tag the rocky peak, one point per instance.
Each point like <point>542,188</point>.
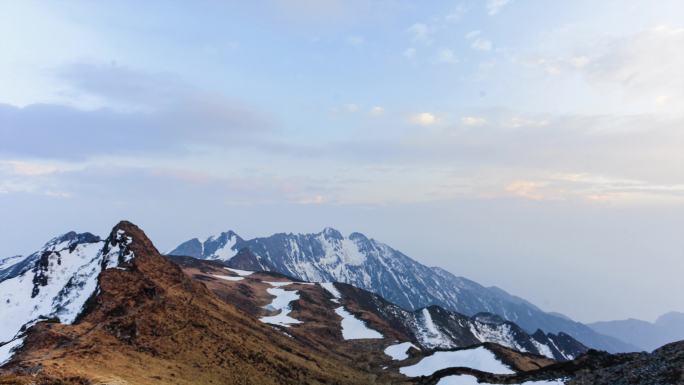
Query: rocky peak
<point>331,233</point>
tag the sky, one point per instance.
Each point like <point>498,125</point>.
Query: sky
<point>536,146</point>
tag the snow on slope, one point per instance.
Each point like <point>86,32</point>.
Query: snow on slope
<point>241,273</point>
<point>479,358</point>
<point>57,287</point>
<point>56,281</point>
<point>470,380</point>
<point>330,287</point>
<point>281,303</point>
<point>353,328</point>
<point>398,352</point>
<point>228,277</point>
<point>6,350</point>
<point>428,333</point>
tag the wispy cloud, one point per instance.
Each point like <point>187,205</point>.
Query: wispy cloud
<point>495,6</point>
<point>166,118</point>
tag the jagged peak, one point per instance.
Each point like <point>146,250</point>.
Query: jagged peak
<point>127,237</point>
<point>358,236</point>
<point>70,238</point>
<point>224,235</point>
<point>330,232</point>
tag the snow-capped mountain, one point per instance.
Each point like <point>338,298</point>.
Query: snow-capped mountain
<point>436,328</point>
<point>56,281</point>
<point>329,256</point>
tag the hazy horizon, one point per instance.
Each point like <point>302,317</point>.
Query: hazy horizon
<point>538,149</point>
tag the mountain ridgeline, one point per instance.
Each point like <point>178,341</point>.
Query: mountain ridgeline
<point>329,256</point>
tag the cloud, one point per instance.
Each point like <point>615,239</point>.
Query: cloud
<point>446,55</point>
<point>376,111</point>
<point>171,118</point>
<point>595,188</point>
<point>495,6</point>
<point>26,168</point>
<point>646,64</point>
<point>421,33</point>
<point>526,189</point>
<point>482,44</point>
<point>478,42</point>
<point>456,14</point>
<point>423,119</point>
<point>473,121</point>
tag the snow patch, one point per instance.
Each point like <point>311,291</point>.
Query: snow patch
<point>428,334</point>
<point>7,350</point>
<point>543,349</point>
<point>70,278</point>
<point>226,251</point>
<point>281,303</point>
<point>228,277</point>
<point>277,284</point>
<point>330,287</point>
<point>241,273</point>
<point>470,380</point>
<point>353,328</point>
<point>398,352</point>
<point>479,358</point>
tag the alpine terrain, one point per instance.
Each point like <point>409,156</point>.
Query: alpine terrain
<point>113,310</point>
<point>329,256</point>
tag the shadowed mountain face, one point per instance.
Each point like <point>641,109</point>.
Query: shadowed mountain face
<point>329,256</point>
<point>645,335</point>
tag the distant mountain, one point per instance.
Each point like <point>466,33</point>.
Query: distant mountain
<point>646,335</point>
<point>329,256</point>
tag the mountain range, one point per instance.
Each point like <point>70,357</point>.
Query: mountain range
<point>328,256</point>
<point>90,310</point>
<point>668,327</point>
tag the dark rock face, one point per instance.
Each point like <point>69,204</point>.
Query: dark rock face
<point>328,256</point>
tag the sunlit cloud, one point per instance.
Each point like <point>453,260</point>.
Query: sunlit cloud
<point>376,111</point>
<point>473,121</point>
<point>423,119</point>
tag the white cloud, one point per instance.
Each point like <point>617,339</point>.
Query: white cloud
<point>494,6</point>
<point>580,61</point>
<point>482,44</point>
<point>478,42</point>
<point>518,122</point>
<point>473,121</point>
<point>645,65</point>
<point>423,119</point>
<point>421,33</point>
<point>456,14</point>
<point>526,189</point>
<point>446,55</point>
<point>472,34</point>
<point>377,111</point>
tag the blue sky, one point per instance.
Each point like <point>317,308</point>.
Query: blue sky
<point>532,145</point>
